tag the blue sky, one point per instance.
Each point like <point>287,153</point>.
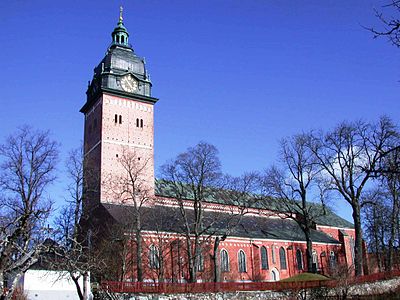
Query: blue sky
<point>237,74</point>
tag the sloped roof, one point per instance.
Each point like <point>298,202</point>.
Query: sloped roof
<point>168,219</point>
<point>329,218</point>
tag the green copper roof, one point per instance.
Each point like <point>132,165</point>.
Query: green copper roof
<point>329,218</point>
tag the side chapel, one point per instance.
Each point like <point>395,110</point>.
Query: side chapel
<point>119,118</point>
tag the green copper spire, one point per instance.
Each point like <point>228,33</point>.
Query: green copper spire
<point>120,35</point>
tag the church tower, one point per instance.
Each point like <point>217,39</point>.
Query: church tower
<point>118,117</point>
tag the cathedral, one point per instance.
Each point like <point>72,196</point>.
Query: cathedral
<point>120,186</point>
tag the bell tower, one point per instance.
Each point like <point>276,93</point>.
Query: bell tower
<point>119,113</point>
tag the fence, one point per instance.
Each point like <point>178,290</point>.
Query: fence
<point>172,288</point>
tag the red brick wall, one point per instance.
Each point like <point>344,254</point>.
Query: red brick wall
<point>175,261</point>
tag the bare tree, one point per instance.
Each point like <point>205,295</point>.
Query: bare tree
<point>391,184</point>
<point>72,253</point>
<point>193,177</point>
<point>391,25</point>
<point>382,212</point>
<point>29,159</point>
<point>348,155</point>
<point>376,217</point>
<point>131,188</point>
<point>293,184</point>
<point>239,194</point>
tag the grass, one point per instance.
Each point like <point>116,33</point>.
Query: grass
<point>305,277</point>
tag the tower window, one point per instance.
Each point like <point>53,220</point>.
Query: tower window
<point>116,118</point>
<point>117,38</point>
<point>141,123</point>
<point>122,39</point>
<point>120,119</point>
<point>137,122</point>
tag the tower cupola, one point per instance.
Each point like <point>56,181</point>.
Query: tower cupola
<point>120,35</point>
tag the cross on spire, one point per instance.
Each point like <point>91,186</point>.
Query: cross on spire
<point>121,9</point>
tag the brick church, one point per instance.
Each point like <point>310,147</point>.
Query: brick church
<point>119,139</point>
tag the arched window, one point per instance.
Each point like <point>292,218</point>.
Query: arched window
<point>116,118</point>
<point>117,38</point>
<point>282,258</point>
<point>264,258</point>
<point>315,260</point>
<point>332,260</point>
<point>141,123</point>
<point>137,122</point>
<point>122,39</point>
<point>274,274</point>
<point>242,261</point>
<point>224,261</point>
<point>120,119</point>
<point>299,259</point>
<point>154,257</point>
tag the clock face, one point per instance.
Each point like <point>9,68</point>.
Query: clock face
<point>129,84</point>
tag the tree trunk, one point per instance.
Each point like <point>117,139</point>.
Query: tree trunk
<point>193,260</point>
<point>216,262</point>
<point>308,250</point>
<point>358,259</point>
<point>192,275</point>
<point>78,287</point>
<point>393,225</point>
<point>85,287</point>
<point>139,270</point>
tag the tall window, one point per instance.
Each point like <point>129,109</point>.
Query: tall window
<point>315,260</point>
<point>120,119</point>
<point>332,260</point>
<point>352,245</point>
<point>299,259</point>
<point>264,258</point>
<point>137,122</point>
<point>242,261</point>
<point>200,263</point>
<point>115,118</point>
<point>273,254</point>
<point>224,261</point>
<point>282,258</point>
<point>141,123</point>
<point>154,257</point>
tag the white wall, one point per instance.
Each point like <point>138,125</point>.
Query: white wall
<point>50,285</point>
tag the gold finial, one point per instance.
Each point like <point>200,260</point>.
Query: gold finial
<point>121,9</point>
